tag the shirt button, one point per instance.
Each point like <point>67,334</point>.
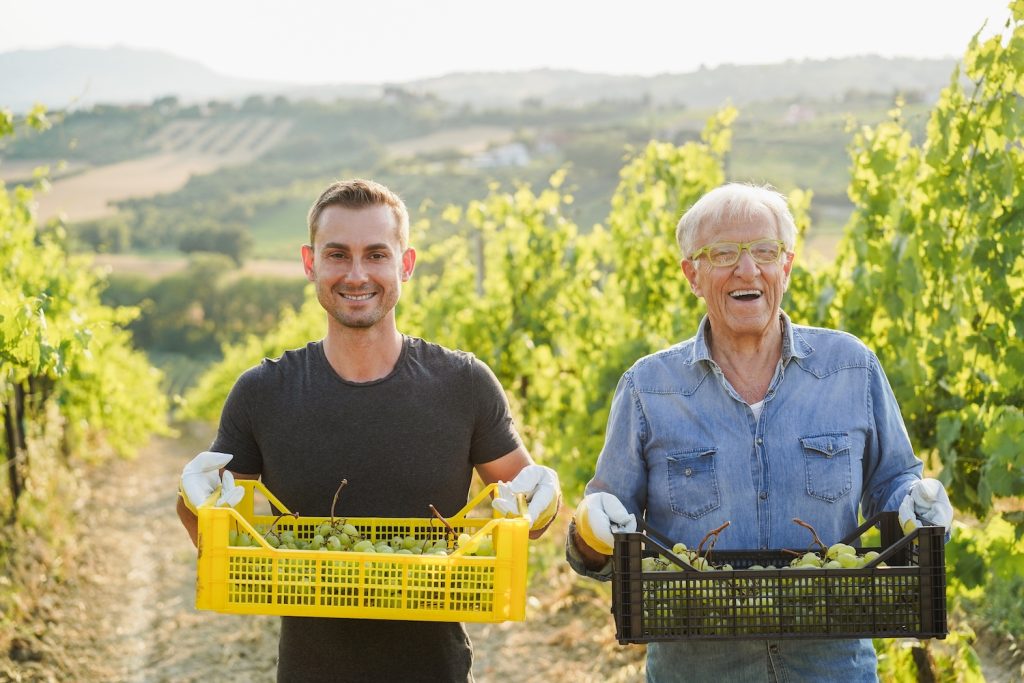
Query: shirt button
<point>764,495</point>
<point>760,441</point>
<point>688,472</point>
<point>774,649</point>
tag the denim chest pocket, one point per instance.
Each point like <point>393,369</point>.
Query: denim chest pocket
<point>693,483</point>
<point>827,465</point>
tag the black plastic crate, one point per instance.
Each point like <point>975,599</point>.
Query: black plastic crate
<point>906,598</point>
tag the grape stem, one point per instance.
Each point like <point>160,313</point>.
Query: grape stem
<point>278,519</point>
<point>443,520</point>
<point>343,484</point>
<point>824,548</point>
<point>713,535</point>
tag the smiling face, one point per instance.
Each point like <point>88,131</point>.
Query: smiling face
<point>358,265</point>
<point>744,299</point>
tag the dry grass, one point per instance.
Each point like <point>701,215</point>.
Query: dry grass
<point>23,170</point>
<point>468,140</point>
<point>155,268</point>
<point>180,150</point>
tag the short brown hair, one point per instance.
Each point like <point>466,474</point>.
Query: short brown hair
<point>357,193</point>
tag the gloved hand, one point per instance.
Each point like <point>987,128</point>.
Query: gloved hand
<point>926,505</point>
<point>543,494</point>
<point>199,480</point>
<point>598,516</point>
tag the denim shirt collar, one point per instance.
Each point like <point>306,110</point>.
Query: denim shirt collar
<point>794,345</point>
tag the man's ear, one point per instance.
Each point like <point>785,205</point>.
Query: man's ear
<point>307,262</point>
<point>787,268</point>
<point>690,271</point>
<point>408,263</point>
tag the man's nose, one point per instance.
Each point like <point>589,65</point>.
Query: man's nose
<point>356,272</point>
<point>746,266</point>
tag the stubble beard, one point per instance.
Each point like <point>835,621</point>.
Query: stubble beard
<point>359,321</point>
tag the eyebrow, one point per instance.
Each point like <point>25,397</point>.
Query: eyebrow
<point>370,247</point>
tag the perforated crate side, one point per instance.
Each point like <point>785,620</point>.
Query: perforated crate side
<point>265,580</point>
<point>895,601</point>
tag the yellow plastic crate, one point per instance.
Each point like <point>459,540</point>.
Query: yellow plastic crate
<point>363,585</point>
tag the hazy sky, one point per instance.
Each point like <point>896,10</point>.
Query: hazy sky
<point>315,41</point>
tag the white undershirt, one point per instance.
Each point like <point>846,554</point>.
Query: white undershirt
<point>757,407</point>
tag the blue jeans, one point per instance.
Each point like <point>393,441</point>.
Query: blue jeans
<point>756,661</point>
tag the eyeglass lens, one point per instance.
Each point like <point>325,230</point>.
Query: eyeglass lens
<point>728,253</point>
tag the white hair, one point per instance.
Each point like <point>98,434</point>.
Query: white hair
<point>735,201</point>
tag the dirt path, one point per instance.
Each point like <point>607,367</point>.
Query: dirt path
<point>127,611</point>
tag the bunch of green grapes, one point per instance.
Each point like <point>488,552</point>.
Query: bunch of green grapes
<point>338,536</point>
<point>837,556</point>
<point>759,605</point>
<point>692,557</point>
<point>481,547</point>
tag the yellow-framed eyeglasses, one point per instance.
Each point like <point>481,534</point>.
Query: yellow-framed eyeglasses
<point>724,254</point>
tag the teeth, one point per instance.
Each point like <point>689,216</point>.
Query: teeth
<point>745,292</point>
<point>358,297</point>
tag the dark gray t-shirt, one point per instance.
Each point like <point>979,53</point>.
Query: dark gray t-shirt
<point>403,442</point>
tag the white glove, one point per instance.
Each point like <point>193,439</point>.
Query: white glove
<point>199,480</point>
<point>543,494</point>
<point>926,505</point>
<point>598,516</point>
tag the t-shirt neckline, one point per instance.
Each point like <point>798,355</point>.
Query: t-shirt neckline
<point>349,383</point>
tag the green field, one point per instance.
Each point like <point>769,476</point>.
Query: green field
<point>279,231</point>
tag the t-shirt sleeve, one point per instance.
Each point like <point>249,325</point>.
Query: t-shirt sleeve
<point>494,433</point>
<point>236,433</point>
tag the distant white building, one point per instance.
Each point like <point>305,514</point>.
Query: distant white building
<point>799,113</point>
<point>512,154</point>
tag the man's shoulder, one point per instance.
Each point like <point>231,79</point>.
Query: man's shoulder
<point>831,339</point>
<point>438,355</point>
<point>288,362</point>
<point>673,363</point>
<point>829,349</point>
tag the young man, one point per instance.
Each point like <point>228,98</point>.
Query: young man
<point>403,420</point>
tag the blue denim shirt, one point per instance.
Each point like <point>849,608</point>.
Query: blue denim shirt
<point>684,452</point>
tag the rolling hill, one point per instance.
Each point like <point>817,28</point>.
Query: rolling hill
<point>74,77</point>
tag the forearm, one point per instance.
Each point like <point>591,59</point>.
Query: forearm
<point>189,521</point>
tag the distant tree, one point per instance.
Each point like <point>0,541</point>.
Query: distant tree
<point>125,289</point>
<point>214,107</point>
<point>174,310</point>
<point>166,105</point>
<point>254,103</point>
<point>196,310</point>
<point>232,240</point>
<point>105,235</point>
<point>251,305</point>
